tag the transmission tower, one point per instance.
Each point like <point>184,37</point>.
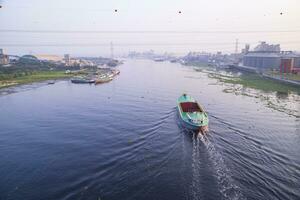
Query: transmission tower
<point>236,51</point>
<point>111,50</point>
<point>236,46</point>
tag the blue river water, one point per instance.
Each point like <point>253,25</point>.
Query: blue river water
<point>123,140</point>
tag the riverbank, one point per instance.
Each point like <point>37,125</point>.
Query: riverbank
<point>246,79</point>
<point>254,81</point>
<point>285,78</point>
<point>35,76</point>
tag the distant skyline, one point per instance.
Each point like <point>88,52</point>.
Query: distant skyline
<point>86,28</point>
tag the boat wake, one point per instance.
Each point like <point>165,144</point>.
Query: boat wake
<point>227,187</point>
<point>196,190</point>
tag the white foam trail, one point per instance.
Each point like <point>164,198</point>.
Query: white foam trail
<point>195,189</point>
<point>228,189</point>
<point>183,162</point>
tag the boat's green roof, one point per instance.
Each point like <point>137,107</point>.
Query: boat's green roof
<point>185,98</point>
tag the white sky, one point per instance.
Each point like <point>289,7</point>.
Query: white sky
<point>203,25</point>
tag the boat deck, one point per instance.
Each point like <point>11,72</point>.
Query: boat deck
<point>190,107</point>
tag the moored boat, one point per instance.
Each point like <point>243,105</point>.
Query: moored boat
<point>103,79</point>
<point>192,114</point>
<point>51,82</point>
<point>110,75</point>
<point>82,80</point>
<point>159,59</point>
<point>116,72</point>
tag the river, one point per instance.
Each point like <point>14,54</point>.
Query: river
<point>123,140</point>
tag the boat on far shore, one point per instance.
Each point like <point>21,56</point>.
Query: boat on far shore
<point>51,82</point>
<point>103,79</point>
<point>82,80</point>
<point>116,72</point>
<point>159,60</point>
<point>102,75</point>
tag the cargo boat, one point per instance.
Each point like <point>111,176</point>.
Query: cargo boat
<point>192,114</point>
<point>82,80</point>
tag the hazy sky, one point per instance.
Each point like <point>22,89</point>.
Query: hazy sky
<point>87,27</point>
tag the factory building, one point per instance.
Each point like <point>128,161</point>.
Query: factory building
<point>4,59</point>
<point>197,57</point>
<point>266,57</point>
<point>286,62</point>
<point>67,59</point>
<point>29,59</point>
<point>262,60</point>
<point>290,63</point>
<point>263,46</point>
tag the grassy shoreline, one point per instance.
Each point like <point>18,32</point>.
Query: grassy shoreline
<point>273,94</point>
<point>255,81</point>
<point>246,79</point>
<point>36,76</point>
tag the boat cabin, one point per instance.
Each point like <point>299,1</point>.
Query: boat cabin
<point>190,107</point>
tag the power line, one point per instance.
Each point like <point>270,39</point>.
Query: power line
<point>129,44</point>
<point>119,44</point>
<point>145,31</point>
<point>236,46</point>
<point>111,50</point>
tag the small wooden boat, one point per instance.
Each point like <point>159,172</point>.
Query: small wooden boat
<point>113,63</point>
<point>51,82</point>
<point>103,80</point>
<point>82,80</point>
<point>192,114</point>
<point>159,60</point>
<point>110,75</point>
<point>116,72</point>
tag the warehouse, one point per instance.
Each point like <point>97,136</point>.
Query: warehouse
<point>262,60</point>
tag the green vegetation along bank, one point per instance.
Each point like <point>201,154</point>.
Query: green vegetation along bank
<point>245,79</point>
<point>25,77</point>
<point>255,81</point>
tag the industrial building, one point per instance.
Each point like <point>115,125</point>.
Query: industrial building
<point>4,59</point>
<point>49,58</point>
<point>290,63</point>
<point>67,59</point>
<point>284,61</point>
<point>29,59</point>
<point>263,46</point>
<point>197,57</point>
<point>262,60</point>
<point>266,56</point>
